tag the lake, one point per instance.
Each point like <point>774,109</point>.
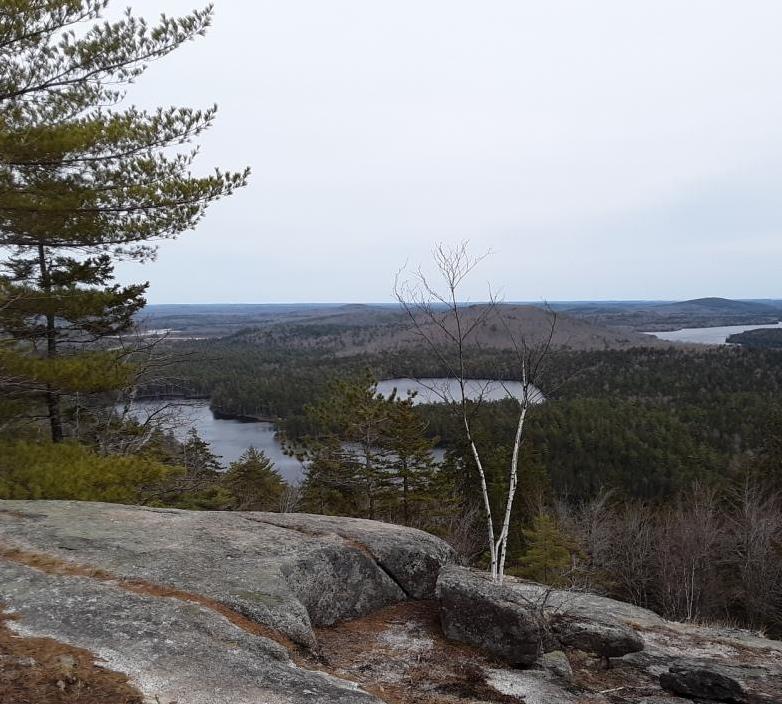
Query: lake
<point>707,336</point>
<point>229,439</point>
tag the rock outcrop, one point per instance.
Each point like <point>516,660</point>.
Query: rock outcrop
<point>170,649</point>
<point>258,608</point>
<point>289,578</point>
<point>529,625</point>
<point>474,610</point>
<point>158,592</point>
<point>411,558</point>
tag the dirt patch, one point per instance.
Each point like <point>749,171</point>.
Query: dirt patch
<point>38,670</point>
<point>400,655</point>
<point>620,682</point>
<point>53,565</point>
<point>469,682</point>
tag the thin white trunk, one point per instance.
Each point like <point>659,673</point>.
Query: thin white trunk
<point>487,507</point>
<point>502,543</point>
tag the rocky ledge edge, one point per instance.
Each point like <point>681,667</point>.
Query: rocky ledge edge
<point>207,607</point>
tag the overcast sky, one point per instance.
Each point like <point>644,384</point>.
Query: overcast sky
<point>601,150</point>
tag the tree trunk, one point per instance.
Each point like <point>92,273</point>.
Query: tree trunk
<point>405,512</point>
<point>486,504</point>
<point>52,396</point>
<point>502,543</point>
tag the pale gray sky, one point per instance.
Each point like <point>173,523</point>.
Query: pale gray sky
<point>604,149</point>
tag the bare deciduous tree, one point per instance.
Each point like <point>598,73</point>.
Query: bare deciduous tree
<point>754,547</point>
<point>290,498</point>
<point>710,555</point>
<point>451,330</point>
<point>464,532</point>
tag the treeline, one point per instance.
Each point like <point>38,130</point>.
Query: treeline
<point>246,380</point>
<point>667,374</point>
<point>644,422</point>
<point>642,450</point>
<point>242,376</point>
<point>764,338</point>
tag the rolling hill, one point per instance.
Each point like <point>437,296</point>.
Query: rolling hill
<point>357,330</point>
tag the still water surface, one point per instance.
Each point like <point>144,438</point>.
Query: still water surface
<point>707,336</point>
<point>229,439</point>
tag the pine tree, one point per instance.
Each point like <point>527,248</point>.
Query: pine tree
<point>411,463</point>
<point>548,553</point>
<point>84,183</point>
<point>197,485</point>
<point>33,470</point>
<point>350,447</point>
<point>332,482</point>
<point>198,458</point>
<point>253,483</point>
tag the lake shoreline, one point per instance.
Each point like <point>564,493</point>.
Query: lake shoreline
<point>231,434</point>
<point>712,335</point>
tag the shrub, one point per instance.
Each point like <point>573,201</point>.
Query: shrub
<point>68,470</point>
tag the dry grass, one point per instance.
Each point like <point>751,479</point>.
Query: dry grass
<point>45,671</point>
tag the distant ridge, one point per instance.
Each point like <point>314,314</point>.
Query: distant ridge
<point>721,305</point>
<point>695,313</point>
<point>612,321</point>
<point>367,330</point>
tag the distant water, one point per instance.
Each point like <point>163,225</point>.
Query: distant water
<point>229,439</point>
<point>708,336</point>
<point>442,390</point>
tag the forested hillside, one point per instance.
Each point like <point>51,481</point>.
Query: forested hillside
<point>767,338</point>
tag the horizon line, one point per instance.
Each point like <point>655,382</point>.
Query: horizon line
<point>476,302</point>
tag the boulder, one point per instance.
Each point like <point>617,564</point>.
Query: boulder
<point>517,622</point>
<point>475,610</point>
<point>412,558</point>
<point>557,663</point>
<point>702,683</point>
<point>591,606</point>
<point>600,635</point>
